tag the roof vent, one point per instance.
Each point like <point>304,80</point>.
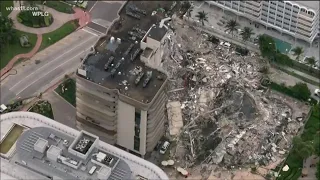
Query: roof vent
<point>112,39</point>
<point>118,40</point>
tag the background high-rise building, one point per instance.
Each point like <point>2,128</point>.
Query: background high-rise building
<point>297,18</point>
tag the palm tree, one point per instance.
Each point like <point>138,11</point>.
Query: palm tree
<point>246,33</point>
<point>297,51</point>
<point>202,16</point>
<point>189,11</point>
<point>311,61</point>
<point>232,26</point>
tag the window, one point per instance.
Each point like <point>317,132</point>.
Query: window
<point>272,13</point>
<point>294,21</point>
<point>137,131</point>
<point>136,145</point>
<point>280,6</point>
<point>278,20</point>
<point>279,15</point>
<point>285,23</point>
<point>137,118</point>
<point>272,8</point>
<point>295,11</point>
<point>279,25</point>
<point>287,13</point>
<point>286,18</point>
<point>288,9</point>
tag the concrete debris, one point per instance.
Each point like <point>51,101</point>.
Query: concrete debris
<point>174,117</point>
<point>229,118</point>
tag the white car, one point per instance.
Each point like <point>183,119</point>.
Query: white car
<point>317,92</point>
<point>164,147</point>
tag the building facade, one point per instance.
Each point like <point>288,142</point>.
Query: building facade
<point>299,19</point>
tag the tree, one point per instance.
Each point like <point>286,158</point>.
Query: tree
<point>246,33</point>
<point>202,16</point>
<point>301,91</point>
<point>311,61</point>
<point>267,46</point>
<point>213,39</point>
<point>297,51</point>
<point>232,26</point>
<point>7,32</point>
<point>301,148</point>
<point>189,11</point>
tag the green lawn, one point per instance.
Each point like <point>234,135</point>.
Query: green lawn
<point>60,6</point>
<point>69,94</point>
<point>15,48</point>
<point>3,5</point>
<point>43,108</point>
<point>53,37</point>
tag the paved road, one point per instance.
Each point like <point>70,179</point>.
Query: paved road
<point>55,61</point>
<point>103,13</point>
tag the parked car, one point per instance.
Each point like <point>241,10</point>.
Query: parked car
<point>164,147</point>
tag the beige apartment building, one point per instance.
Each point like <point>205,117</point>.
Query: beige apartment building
<point>299,19</point>
<point>120,96</point>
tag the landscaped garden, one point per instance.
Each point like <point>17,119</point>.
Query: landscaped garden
<point>67,90</point>
<point>43,108</point>
<point>27,18</point>
<point>53,37</point>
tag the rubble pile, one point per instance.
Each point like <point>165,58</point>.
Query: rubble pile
<point>229,118</point>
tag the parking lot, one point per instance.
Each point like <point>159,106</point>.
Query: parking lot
<point>103,13</point>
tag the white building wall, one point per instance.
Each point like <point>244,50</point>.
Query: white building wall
<point>125,126</point>
<point>286,16</point>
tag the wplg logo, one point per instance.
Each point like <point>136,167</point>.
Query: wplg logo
<point>40,13</point>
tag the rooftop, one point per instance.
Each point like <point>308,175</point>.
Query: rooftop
<point>37,161</point>
<point>52,159</point>
<point>157,32</point>
<point>309,4</point>
<point>114,63</point>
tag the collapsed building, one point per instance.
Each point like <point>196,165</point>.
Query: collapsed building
<point>230,118</point>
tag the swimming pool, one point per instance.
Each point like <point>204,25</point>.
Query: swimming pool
<point>282,46</point>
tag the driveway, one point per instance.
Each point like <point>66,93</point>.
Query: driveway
<point>46,67</point>
<point>63,112</point>
<point>103,13</point>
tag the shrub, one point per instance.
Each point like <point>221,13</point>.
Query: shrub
<point>29,20</point>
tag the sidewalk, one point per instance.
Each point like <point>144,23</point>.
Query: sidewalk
<point>35,49</point>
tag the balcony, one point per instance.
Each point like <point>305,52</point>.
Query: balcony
<point>253,8</point>
<point>256,4</point>
<point>308,24</point>
<point>305,16</point>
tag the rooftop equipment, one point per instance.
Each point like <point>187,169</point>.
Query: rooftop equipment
<point>118,40</point>
<point>112,39</point>
<point>132,15</point>
<point>128,50</point>
<point>110,60</point>
<point>140,75</point>
<point>134,55</point>
<point>148,78</point>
